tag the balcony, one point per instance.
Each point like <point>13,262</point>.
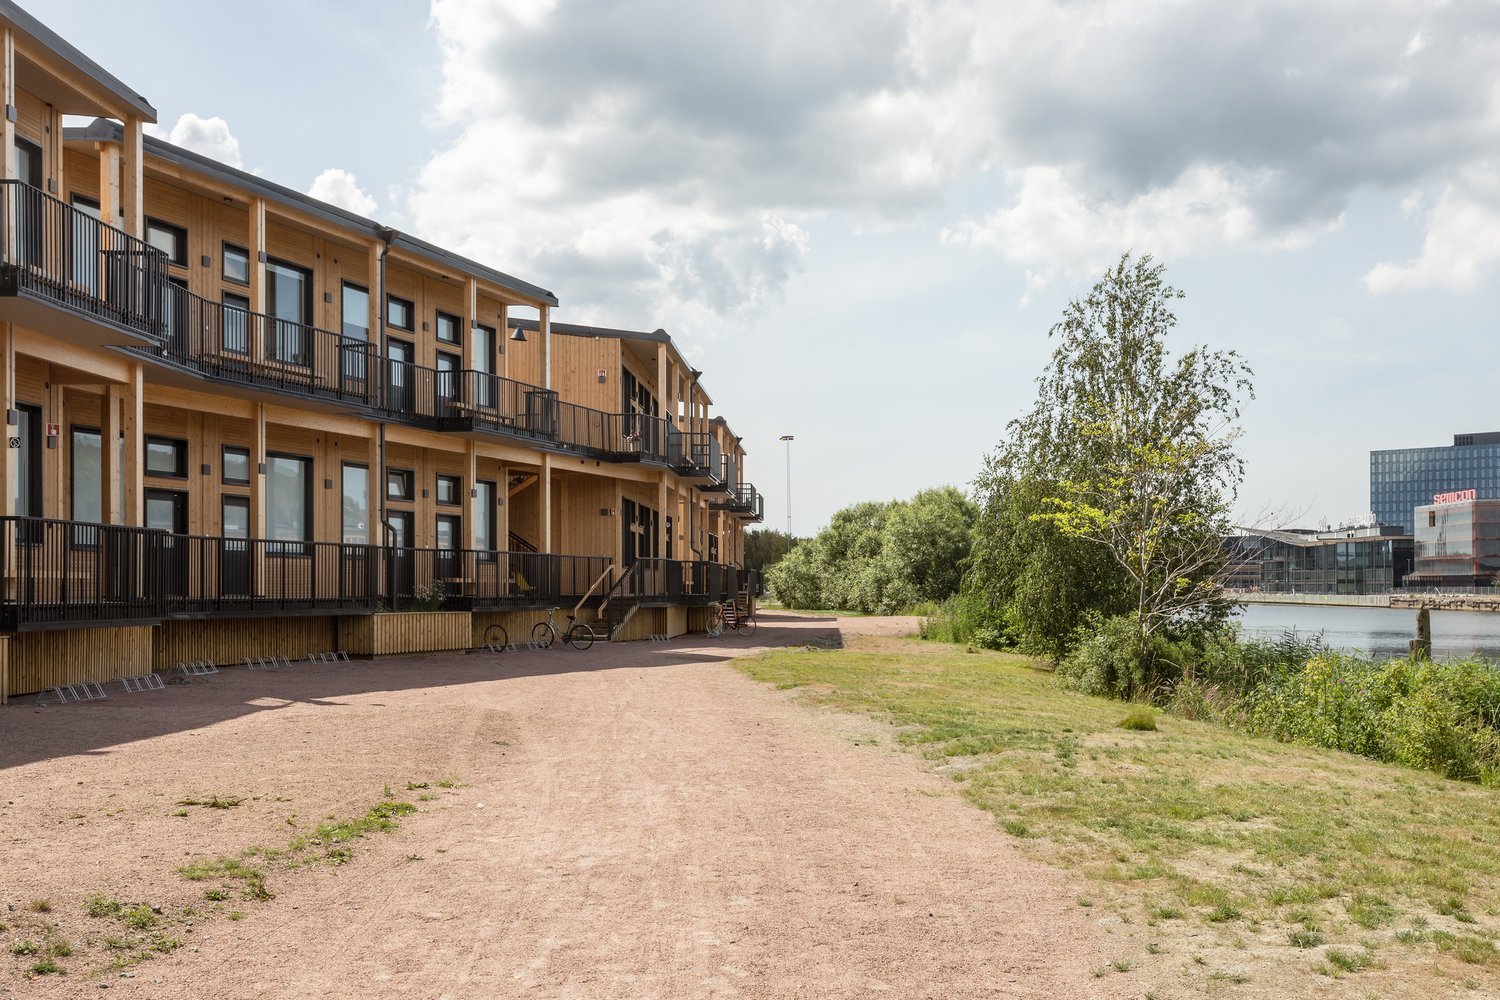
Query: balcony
<point>744,500</point>
<point>65,272</point>
<point>233,345</point>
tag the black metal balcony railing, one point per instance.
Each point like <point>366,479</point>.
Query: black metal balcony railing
<point>57,573</point>
<point>742,499</point>
<point>477,579</point>
<point>67,256</point>
<point>202,575</point>
<point>232,343</point>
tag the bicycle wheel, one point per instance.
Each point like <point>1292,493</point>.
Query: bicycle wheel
<point>581,636</point>
<point>747,625</point>
<point>542,634</point>
<point>715,625</point>
<point>496,638</point>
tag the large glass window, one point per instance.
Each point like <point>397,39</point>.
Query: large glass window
<point>448,367</point>
<point>88,475</point>
<point>449,531</point>
<point>28,485</point>
<point>356,312</point>
<point>289,498</point>
<point>484,516</point>
<point>289,301</point>
<point>484,361</point>
<point>171,240</point>
<point>166,457</point>
<point>356,504</point>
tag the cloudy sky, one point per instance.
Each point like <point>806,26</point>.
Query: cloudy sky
<point>861,217</point>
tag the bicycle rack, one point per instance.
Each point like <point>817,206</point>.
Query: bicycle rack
<point>141,683</point>
<point>63,694</point>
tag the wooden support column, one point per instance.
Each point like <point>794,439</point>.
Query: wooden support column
<point>503,336</point>
<point>258,474</point>
<point>133,179</point>
<point>544,544</point>
<point>55,490</point>
<point>661,505</point>
<point>377,296</point>
<point>471,322</point>
<point>133,467</point>
<point>112,476</point>
<point>109,183</point>
<point>55,157</point>
<point>661,375</point>
<point>502,516</point>
<point>257,241</point>
<point>545,329</point>
<point>8,82</point>
<point>471,523</point>
<point>9,464</point>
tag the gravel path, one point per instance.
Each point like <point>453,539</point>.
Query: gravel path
<point>637,820</point>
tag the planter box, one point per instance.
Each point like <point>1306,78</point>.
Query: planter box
<point>405,632</point>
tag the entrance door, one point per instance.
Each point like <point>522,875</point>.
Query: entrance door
<point>166,510</point>
<point>398,366</point>
<point>399,557</point>
<point>234,549</point>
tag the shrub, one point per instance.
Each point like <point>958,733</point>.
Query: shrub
<point>1107,660</point>
<point>1139,719</point>
<point>967,618</point>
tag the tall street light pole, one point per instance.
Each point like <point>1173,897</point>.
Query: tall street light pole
<point>788,438</point>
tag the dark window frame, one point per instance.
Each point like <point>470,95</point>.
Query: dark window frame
<point>289,546</point>
<point>178,231</point>
<point>77,536</point>
<point>488,516</point>
<point>410,476</point>
<point>343,320</point>
<point>180,447</point>
<point>457,520</point>
<point>458,490</point>
<point>370,509</point>
<point>224,249</point>
<point>224,465</point>
<point>411,313</point>
<point>458,330</point>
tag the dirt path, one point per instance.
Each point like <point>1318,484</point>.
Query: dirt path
<point>638,820</point>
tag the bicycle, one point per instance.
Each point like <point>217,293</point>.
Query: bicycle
<point>496,638</point>
<point>578,634</point>
<point>728,616</point>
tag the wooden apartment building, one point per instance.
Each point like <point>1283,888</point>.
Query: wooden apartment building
<point>243,422</point>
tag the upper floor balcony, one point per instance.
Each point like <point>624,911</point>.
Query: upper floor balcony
<point>743,499</point>
<point>65,271</point>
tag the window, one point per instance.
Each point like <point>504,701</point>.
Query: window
<point>484,518</point>
<point>399,484</point>
<point>447,329</point>
<point>166,457</point>
<point>289,290</point>
<point>289,499</point>
<point>398,312</point>
<point>448,366</point>
<point>236,331</point>
<point>236,466</point>
<point>236,266</point>
<point>356,504</point>
<point>88,483</point>
<point>448,489</point>
<point>449,531</point>
<point>356,312</point>
<point>484,361</point>
<point>27,490</point>
<point>169,239</point>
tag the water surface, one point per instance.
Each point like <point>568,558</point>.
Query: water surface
<point>1378,631</point>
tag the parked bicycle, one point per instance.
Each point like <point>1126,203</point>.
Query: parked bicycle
<point>579,635</point>
<point>730,617</point>
<point>496,638</point>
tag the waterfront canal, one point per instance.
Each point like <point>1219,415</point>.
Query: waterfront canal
<point>1377,631</point>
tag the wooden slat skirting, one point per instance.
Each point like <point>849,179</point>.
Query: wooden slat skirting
<point>406,632</point>
<point>36,661</point>
<point>231,640</point>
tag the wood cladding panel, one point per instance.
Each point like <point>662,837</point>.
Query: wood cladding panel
<point>517,624</point>
<point>231,640</point>
<point>676,620</point>
<point>645,623</point>
<point>36,661</point>
<point>405,632</point>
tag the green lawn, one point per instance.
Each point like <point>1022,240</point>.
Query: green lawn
<point>1314,860</point>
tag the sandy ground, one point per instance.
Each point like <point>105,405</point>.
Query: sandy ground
<point>637,820</point>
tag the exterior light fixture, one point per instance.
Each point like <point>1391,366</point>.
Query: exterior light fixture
<point>518,335</point>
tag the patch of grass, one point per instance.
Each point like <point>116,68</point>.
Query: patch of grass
<point>1348,961</point>
<point>180,813</point>
<point>47,967</point>
<point>1140,719</point>
<point>41,906</point>
<point>1474,950</point>
<point>252,878</point>
<point>25,948</point>
<point>1200,823</point>
<point>236,914</point>
<point>216,895</point>
<point>141,918</point>
<point>214,801</point>
<point>100,906</point>
<point>450,783</point>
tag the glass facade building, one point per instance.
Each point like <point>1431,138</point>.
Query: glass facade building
<point>1402,479</point>
<point>1458,545</point>
<point>1366,560</point>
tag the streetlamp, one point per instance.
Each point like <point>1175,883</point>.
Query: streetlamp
<point>788,438</point>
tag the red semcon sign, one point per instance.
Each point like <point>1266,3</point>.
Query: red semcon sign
<point>1457,496</point>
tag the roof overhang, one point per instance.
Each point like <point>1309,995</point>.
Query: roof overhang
<point>57,72</point>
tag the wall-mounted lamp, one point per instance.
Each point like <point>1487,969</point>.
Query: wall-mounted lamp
<point>518,335</point>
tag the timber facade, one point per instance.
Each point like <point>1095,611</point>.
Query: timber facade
<point>245,421</point>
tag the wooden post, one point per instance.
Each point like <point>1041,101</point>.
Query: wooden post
<point>55,133</point>
<point>471,523</point>
<point>9,465</point>
<point>133,426</point>
<point>1421,646</point>
<point>502,516</point>
<point>661,505</point>
<point>661,375</point>
<point>112,475</point>
<point>544,544</point>
<point>503,338</point>
<point>258,475</point>
<point>471,322</point>
<point>8,71</point>
<point>109,183</point>
<point>257,276</point>
<point>131,184</point>
<point>545,331</point>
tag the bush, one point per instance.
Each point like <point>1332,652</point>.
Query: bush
<point>1107,660</point>
<point>967,619</point>
<point>1139,719</point>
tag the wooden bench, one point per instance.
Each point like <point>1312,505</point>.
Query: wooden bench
<point>282,371</point>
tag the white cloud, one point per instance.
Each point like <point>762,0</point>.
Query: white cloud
<point>341,188</point>
<point>208,136</point>
<point>663,164</point>
<point>1462,240</point>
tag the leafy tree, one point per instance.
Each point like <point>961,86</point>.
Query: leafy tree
<point>766,547</point>
<point>1111,495</point>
